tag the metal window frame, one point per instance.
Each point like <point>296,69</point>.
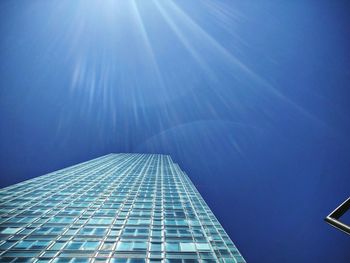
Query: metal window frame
<point>333,218</point>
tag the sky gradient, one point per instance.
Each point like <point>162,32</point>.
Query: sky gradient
<point>251,98</point>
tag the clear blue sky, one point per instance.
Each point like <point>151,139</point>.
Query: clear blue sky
<point>251,98</point>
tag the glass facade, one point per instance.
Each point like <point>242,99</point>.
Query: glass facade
<point>116,208</point>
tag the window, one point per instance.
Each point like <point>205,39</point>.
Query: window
<point>21,220</point>
<point>156,246</point>
<point>135,232</point>
<point>49,230</point>
<point>131,246</point>
<point>93,231</point>
<point>87,245</point>
<point>100,221</point>
<point>32,244</point>
<point>58,245</point>
<point>108,245</point>
<point>203,246</point>
<point>139,221</point>
<point>172,247</point>
<point>187,247</point>
<point>10,230</point>
<point>127,260</point>
<point>62,220</point>
<point>71,260</point>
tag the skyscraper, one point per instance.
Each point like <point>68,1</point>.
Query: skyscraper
<point>116,208</point>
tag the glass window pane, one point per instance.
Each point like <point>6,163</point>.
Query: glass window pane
<point>172,247</point>
<point>187,247</point>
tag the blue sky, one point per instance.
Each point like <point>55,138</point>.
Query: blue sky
<point>249,97</point>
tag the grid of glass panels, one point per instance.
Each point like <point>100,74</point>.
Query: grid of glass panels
<point>116,208</point>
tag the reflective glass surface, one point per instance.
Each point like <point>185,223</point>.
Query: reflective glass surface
<point>116,208</point>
